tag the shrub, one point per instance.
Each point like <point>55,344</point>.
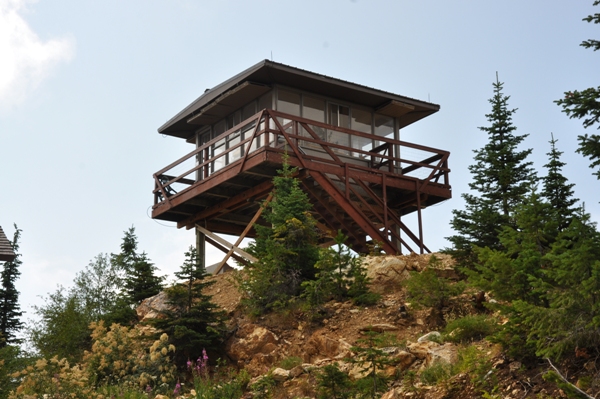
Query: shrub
<point>120,355</point>
<point>332,383</point>
<point>469,328</point>
<point>55,378</point>
<point>437,372</point>
<point>427,289</point>
<point>262,389</point>
<point>478,365</point>
<point>290,362</point>
<point>340,275</point>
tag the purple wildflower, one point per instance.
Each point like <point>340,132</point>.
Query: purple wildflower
<point>177,388</point>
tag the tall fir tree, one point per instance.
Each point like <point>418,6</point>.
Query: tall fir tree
<point>286,251</point>
<point>585,104</point>
<point>10,311</point>
<point>502,176</point>
<point>192,322</point>
<point>139,280</point>
<point>556,189</point>
<point>128,255</point>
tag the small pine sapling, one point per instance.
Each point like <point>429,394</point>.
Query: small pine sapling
<point>332,383</point>
<point>372,361</point>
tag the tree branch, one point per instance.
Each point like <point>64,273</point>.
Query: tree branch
<point>565,380</point>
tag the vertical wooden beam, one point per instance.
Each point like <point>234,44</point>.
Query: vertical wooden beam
<point>417,189</point>
<point>385,203</point>
<point>201,248</point>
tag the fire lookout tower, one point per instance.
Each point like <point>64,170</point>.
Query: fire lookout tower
<point>344,138</point>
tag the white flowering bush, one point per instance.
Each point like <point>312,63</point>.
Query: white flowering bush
<point>120,357</point>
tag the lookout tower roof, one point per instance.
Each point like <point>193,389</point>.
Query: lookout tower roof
<point>216,103</point>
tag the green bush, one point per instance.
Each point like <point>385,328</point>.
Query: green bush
<point>469,328</point>
<point>290,362</point>
<point>478,366</point>
<point>340,275</point>
<point>435,373</point>
<point>429,290</point>
<point>263,388</point>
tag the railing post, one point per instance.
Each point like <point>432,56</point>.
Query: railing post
<point>267,127</point>
<point>207,165</point>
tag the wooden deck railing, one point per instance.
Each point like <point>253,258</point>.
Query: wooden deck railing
<point>309,141</point>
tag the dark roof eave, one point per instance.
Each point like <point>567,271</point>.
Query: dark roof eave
<point>269,72</point>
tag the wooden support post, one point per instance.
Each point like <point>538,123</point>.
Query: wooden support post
<point>246,230</point>
<point>419,217</point>
<point>201,248</point>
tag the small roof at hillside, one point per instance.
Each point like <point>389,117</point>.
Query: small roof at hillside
<point>246,86</point>
<point>6,251</point>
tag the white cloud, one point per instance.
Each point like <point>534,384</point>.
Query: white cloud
<point>26,59</point>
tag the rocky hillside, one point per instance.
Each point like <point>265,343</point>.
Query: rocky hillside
<point>291,347</point>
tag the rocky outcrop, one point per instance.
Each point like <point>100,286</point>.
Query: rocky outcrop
<point>251,340</point>
<point>151,308</point>
<point>386,272</point>
<point>320,346</point>
<point>432,352</point>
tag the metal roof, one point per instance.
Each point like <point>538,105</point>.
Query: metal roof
<point>6,251</point>
<point>256,80</point>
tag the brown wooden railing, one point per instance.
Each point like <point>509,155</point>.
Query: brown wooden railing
<point>312,142</point>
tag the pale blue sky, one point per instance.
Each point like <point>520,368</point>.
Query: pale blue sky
<point>84,85</point>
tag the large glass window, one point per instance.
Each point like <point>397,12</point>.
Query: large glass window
<point>288,102</point>
<point>313,108</point>
<point>361,121</point>
<point>384,126</point>
<point>266,101</point>
<point>339,115</point>
<point>234,119</point>
<point>248,110</point>
<point>220,128</point>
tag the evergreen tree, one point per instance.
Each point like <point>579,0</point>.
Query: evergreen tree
<point>570,281</point>
<point>585,104</point>
<point>507,273</point>
<point>141,282</point>
<point>501,177</point>
<point>340,275</point>
<point>556,189</point>
<point>128,255</point>
<point>193,322</point>
<point>10,311</point>
<point>286,252</point>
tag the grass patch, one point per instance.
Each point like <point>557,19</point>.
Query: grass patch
<point>290,362</point>
<point>470,328</point>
